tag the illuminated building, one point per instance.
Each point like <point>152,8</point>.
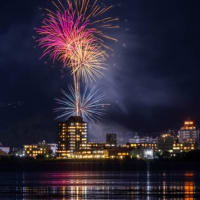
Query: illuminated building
<point>118,152</point>
<point>62,139</point>
<point>35,150</point>
<point>122,154</point>
<point>137,139</point>
<point>141,150</point>
<point>188,133</point>
<point>174,145</point>
<point>148,154</point>
<point>141,146</point>
<point>182,147</point>
<point>94,146</point>
<point>4,149</point>
<point>111,139</point>
<point>90,154</point>
<point>72,136</point>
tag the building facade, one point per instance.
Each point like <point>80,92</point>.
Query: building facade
<point>96,146</point>
<point>72,136</point>
<point>188,133</point>
<point>185,147</point>
<point>137,140</point>
<point>35,150</point>
<point>62,139</point>
<point>5,149</point>
<point>111,139</point>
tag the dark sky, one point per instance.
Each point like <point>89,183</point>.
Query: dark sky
<point>152,82</point>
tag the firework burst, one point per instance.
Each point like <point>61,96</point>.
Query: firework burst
<point>89,61</point>
<point>92,11</point>
<point>90,101</point>
<point>66,38</point>
<point>60,34</point>
<point>74,35</point>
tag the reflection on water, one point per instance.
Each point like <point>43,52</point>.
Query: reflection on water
<point>100,185</point>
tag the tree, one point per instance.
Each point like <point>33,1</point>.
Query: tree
<point>165,143</point>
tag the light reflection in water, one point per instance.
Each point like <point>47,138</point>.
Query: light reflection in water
<point>189,186</point>
<point>101,185</point>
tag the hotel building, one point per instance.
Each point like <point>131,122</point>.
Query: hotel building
<point>72,136</point>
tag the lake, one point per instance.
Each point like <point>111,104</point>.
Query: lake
<point>80,185</point>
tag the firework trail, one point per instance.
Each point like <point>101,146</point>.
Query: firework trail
<point>90,101</point>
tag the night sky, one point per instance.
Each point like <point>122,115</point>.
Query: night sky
<point>152,81</point>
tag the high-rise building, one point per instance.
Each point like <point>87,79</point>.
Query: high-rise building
<point>188,133</point>
<point>62,139</point>
<point>72,136</point>
<point>111,139</point>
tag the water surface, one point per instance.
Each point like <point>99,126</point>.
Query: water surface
<point>80,185</point>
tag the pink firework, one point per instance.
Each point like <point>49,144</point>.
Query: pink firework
<point>61,33</point>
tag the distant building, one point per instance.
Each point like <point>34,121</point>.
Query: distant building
<point>72,136</point>
<point>137,140</point>
<point>3,153</point>
<point>118,152</point>
<point>111,139</point>
<point>152,146</point>
<point>188,133</point>
<point>95,146</point>
<point>62,139</point>
<point>142,147</point>
<point>172,144</point>
<point>182,147</point>
<point>4,149</point>
<point>34,150</point>
<point>90,154</point>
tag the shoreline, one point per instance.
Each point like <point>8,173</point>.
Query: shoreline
<point>96,165</point>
